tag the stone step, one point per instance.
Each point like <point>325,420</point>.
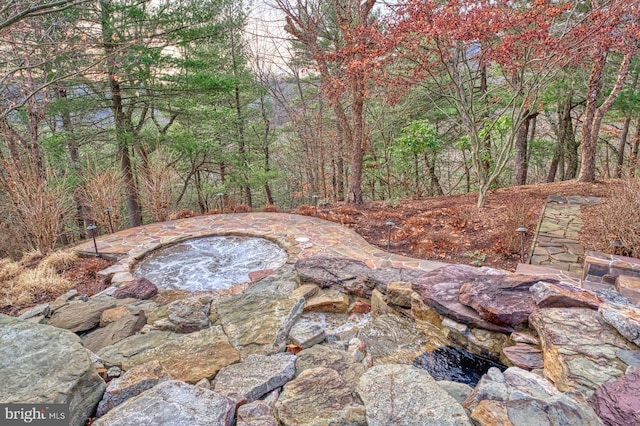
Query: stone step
<point>549,272</point>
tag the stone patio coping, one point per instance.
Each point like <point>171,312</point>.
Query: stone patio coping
<point>300,236</point>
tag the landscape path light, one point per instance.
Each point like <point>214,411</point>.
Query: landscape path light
<point>92,228</point>
<point>108,210</point>
<point>220,195</point>
<point>390,225</point>
<point>522,230</point>
<point>315,204</point>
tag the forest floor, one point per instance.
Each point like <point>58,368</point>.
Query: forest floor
<point>452,229</point>
<point>449,229</point>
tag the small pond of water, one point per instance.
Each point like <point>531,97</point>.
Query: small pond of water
<point>456,365</point>
<point>209,263</point>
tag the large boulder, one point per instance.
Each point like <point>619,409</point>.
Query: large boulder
<point>173,403</point>
<point>403,395</point>
<point>192,357</point>
<point>323,356</point>
<point>259,322</point>
<point>579,348</point>
<point>256,376</point>
<point>338,273</point>
<point>43,364</point>
<point>519,397</point>
<point>80,316</point>
<point>500,299</point>
<point>440,289</point>
<point>617,402</point>
<point>319,396</point>
<point>118,353</point>
<point>393,339</point>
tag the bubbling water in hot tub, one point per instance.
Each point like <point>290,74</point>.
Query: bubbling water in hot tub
<point>209,263</point>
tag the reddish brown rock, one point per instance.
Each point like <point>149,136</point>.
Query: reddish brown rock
<point>617,402</point>
<point>563,295</point>
<point>440,289</point>
<point>359,307</point>
<point>140,288</point>
<point>524,356</point>
<point>501,299</point>
<point>258,275</point>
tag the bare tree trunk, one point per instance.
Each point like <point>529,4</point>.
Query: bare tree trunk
<point>621,146</point>
<point>522,143</point>
<point>595,114</point>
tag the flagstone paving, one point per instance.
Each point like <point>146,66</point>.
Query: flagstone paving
<point>557,241</point>
<point>300,236</point>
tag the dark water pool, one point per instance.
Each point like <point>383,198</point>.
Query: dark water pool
<point>456,365</point>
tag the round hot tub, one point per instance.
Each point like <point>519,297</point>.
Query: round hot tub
<point>209,263</point>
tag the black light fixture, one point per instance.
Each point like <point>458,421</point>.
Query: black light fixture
<point>92,228</point>
<point>108,211</point>
<point>522,231</point>
<point>390,225</point>
<point>315,204</point>
<point>220,197</point>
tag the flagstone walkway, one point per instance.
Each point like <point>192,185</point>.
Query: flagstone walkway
<point>300,236</point>
<point>557,241</point>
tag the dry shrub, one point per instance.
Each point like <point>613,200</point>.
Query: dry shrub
<point>618,220</point>
<point>158,192</point>
<point>242,208</point>
<point>270,208</point>
<point>506,238</point>
<point>306,210</point>
<point>35,205</point>
<point>21,286</point>
<point>60,260</point>
<point>102,189</point>
<point>182,214</point>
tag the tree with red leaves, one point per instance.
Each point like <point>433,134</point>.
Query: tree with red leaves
<point>341,37</point>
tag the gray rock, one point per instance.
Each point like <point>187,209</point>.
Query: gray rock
<point>339,273</point>
<point>44,364</point>
<point>625,319</point>
<point>132,383</point>
<point>459,391</point>
<point>440,289</point>
<point>322,356</point>
<point>190,314</point>
<point>519,397</point>
<point>319,396</point>
<point>256,376</point>
<point>79,316</point>
<point>115,331</point>
<point>266,329</point>
<point>631,358</point>
<point>127,348</point>
<point>403,395</point>
<point>393,339</point>
<point>172,403</point>
<point>306,333</point>
<point>524,356</point>
<point>43,310</point>
<point>579,348</point>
